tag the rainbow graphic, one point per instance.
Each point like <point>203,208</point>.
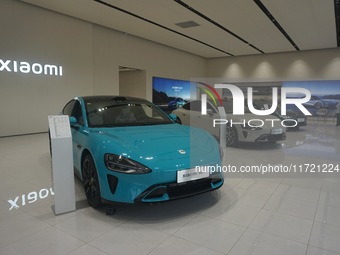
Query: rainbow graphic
<point>211,91</point>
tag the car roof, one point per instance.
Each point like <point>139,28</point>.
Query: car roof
<point>112,97</point>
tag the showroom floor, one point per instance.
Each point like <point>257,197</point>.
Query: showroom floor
<point>295,214</point>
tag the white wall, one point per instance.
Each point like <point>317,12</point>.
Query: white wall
<point>294,66</point>
<point>89,54</point>
<point>34,35</point>
<point>132,83</point>
<point>113,49</point>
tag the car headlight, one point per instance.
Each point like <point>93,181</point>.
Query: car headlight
<point>120,164</point>
<point>250,128</point>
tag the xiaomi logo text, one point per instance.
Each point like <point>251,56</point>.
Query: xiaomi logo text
<point>25,67</point>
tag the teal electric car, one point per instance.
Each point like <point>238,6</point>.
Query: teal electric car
<point>127,150</point>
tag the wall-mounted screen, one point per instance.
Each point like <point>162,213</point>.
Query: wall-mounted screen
<point>169,94</point>
<point>325,95</point>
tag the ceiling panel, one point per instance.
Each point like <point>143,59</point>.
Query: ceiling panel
<point>244,18</point>
<point>310,23</point>
<point>175,13</point>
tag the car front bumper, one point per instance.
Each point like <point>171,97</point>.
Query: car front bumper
<point>173,191</point>
<point>271,137</point>
<point>157,186</point>
<point>299,122</point>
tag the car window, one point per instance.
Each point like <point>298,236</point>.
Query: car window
<point>68,109</point>
<point>210,107</point>
<point>195,106</point>
<point>150,112</point>
<point>186,106</point>
<point>77,113</point>
<point>73,108</point>
<point>123,112</point>
<point>228,106</point>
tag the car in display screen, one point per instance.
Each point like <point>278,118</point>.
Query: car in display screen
<point>127,150</point>
<point>319,102</point>
<point>176,103</point>
<point>242,129</point>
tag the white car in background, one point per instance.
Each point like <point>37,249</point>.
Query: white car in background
<point>240,131</point>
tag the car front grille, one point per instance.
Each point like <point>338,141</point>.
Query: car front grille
<point>173,191</point>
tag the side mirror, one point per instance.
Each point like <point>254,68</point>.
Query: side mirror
<point>173,117</point>
<point>210,112</point>
<point>73,120</point>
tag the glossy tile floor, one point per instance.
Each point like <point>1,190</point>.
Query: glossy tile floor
<point>250,214</point>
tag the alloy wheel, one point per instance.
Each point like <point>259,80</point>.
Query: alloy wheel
<point>90,181</point>
<point>231,136</point>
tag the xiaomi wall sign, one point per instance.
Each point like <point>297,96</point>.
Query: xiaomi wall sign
<point>25,67</point>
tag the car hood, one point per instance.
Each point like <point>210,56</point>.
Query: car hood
<point>249,117</point>
<point>170,142</point>
<point>294,114</point>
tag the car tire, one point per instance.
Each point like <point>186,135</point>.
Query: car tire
<point>91,182</point>
<point>231,136</point>
<point>318,105</point>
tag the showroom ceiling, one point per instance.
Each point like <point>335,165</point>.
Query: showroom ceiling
<point>215,28</point>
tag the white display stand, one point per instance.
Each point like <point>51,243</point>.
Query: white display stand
<point>62,164</point>
<point>223,128</point>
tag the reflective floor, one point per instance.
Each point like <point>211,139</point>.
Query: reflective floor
<point>280,213</point>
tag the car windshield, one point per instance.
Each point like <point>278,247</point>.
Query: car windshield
<point>228,106</point>
<point>316,98</point>
<point>121,111</point>
<point>264,105</point>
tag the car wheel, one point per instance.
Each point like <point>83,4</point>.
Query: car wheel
<point>231,136</point>
<point>91,183</point>
<point>318,105</point>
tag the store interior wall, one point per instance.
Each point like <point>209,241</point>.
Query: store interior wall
<point>289,66</point>
<point>34,35</point>
<point>132,83</point>
<point>114,48</point>
<point>91,55</point>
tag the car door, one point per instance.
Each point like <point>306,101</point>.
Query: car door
<point>196,118</point>
<point>183,114</point>
<point>73,108</point>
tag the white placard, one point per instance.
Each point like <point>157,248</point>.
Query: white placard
<point>59,126</point>
<point>62,164</point>
<point>191,174</point>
